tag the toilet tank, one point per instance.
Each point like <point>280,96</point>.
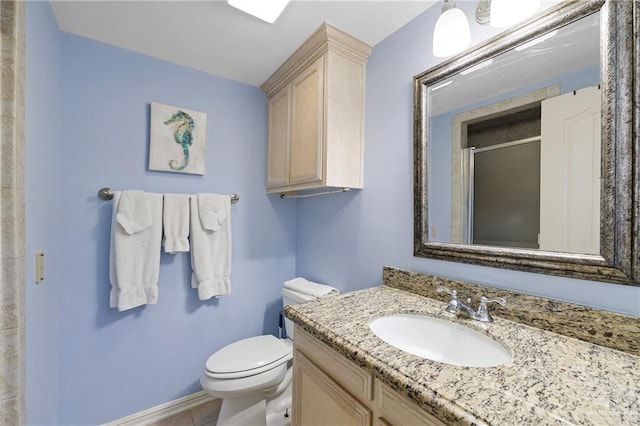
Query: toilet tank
<point>289,297</point>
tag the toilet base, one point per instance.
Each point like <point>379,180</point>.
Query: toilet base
<point>256,410</point>
<point>243,411</point>
<point>279,409</point>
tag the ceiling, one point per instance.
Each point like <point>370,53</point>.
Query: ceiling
<point>214,37</point>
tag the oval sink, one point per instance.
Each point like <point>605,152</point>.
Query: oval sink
<point>440,340</point>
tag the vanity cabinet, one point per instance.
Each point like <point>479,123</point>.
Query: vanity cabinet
<point>330,390</point>
<point>320,400</point>
<point>316,114</point>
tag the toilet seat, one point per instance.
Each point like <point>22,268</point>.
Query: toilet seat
<point>248,357</point>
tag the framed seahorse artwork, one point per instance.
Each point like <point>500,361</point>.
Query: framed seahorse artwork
<point>177,139</point>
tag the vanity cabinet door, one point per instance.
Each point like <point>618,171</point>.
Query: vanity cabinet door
<point>349,376</point>
<point>318,400</point>
<point>392,409</point>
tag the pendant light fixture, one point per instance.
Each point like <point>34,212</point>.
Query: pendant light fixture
<point>505,13</point>
<point>451,34</point>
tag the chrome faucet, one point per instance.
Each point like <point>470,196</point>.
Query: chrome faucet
<point>455,305</point>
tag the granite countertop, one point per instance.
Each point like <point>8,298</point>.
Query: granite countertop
<point>551,379</point>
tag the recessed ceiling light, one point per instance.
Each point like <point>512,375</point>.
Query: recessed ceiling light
<point>267,10</point>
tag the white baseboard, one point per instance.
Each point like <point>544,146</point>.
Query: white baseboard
<point>162,411</point>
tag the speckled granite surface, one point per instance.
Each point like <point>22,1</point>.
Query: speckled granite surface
<point>616,331</point>
<point>551,380</point>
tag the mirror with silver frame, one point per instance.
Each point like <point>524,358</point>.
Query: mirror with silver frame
<point>526,147</point>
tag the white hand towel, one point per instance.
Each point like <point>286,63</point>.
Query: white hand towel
<point>175,221</point>
<point>211,249</point>
<point>134,260</point>
<point>302,285</point>
<point>133,212</point>
<point>213,209</point>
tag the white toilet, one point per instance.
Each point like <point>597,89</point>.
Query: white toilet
<point>253,376</point>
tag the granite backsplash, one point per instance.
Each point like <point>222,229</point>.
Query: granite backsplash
<point>604,328</point>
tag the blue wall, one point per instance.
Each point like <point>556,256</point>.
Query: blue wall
<point>116,363</point>
<point>346,239</point>
<point>87,127</point>
<point>42,147</point>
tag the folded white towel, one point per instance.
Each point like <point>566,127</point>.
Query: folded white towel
<point>302,285</point>
<point>211,244</point>
<point>213,210</point>
<point>175,221</point>
<point>134,260</point>
<point>133,212</point>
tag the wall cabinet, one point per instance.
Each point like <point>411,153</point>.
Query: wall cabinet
<point>330,390</point>
<point>316,114</point>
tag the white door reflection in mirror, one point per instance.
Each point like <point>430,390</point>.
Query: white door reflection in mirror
<point>570,184</point>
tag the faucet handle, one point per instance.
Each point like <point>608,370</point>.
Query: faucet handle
<point>500,300</point>
<point>453,304</point>
<point>442,288</point>
<point>483,311</point>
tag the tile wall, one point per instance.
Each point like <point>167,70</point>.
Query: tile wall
<point>12,214</point>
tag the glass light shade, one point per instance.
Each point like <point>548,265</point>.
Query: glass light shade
<point>267,10</point>
<point>451,34</point>
<point>505,13</point>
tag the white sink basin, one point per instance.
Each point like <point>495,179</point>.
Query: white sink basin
<point>440,340</point>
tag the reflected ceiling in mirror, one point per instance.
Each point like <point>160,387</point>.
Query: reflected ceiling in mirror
<point>524,147</point>
<point>572,48</point>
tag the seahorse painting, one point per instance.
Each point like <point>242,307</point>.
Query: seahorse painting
<point>170,125</point>
<point>183,136</point>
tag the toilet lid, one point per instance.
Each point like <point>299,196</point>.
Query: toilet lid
<point>248,354</point>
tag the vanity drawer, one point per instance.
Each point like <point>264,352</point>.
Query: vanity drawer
<point>348,375</point>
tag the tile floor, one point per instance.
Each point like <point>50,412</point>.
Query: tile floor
<point>201,415</point>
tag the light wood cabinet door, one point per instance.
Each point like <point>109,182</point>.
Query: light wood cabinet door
<point>319,401</point>
<point>307,122</point>
<point>349,376</point>
<point>278,147</point>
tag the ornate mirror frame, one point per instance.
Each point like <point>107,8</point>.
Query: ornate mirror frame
<point>619,258</point>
